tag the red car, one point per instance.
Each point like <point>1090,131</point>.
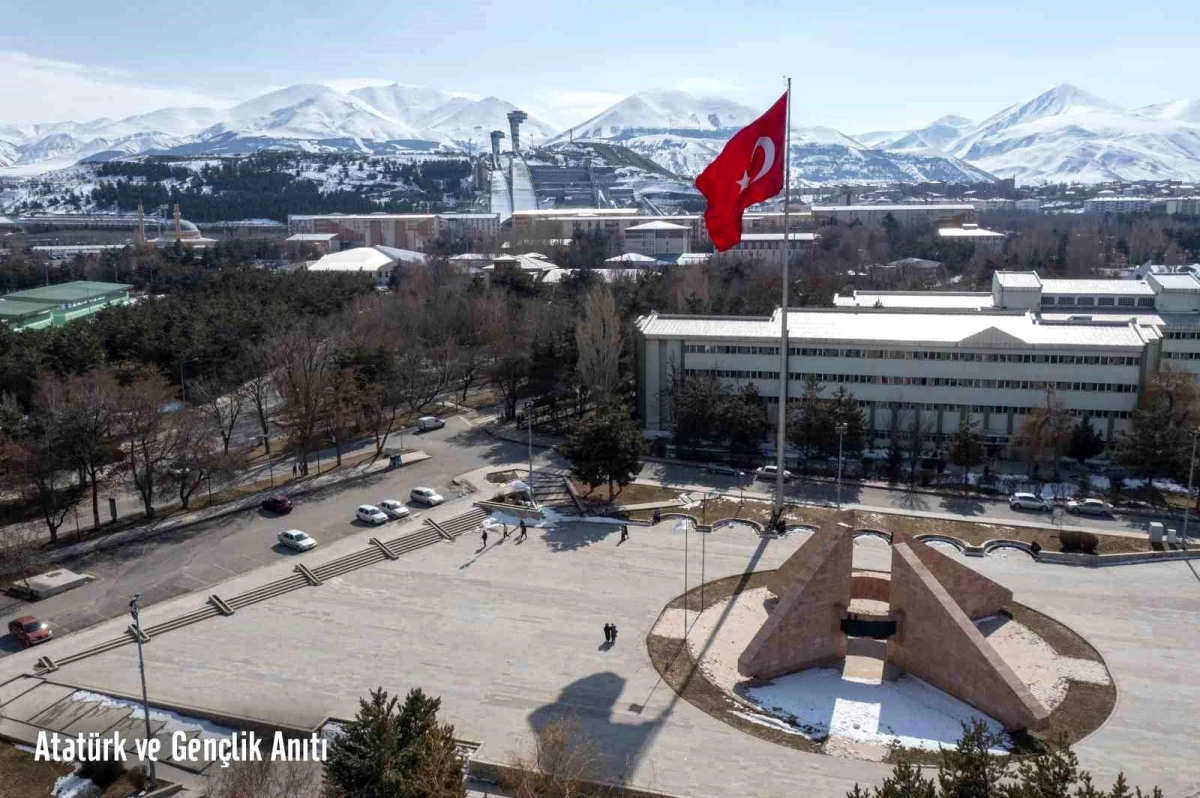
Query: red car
<point>29,630</point>
<point>279,504</point>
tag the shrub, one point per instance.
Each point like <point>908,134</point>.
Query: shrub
<point>102,773</point>
<point>1075,541</point>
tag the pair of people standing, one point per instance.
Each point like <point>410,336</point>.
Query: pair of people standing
<point>610,633</point>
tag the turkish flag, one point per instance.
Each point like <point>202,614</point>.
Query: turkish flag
<point>748,171</point>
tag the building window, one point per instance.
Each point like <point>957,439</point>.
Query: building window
<point>1066,300</point>
<point>1047,300</point>
<point>1125,301</point>
<point>1084,301</point>
<point>1145,302</point>
<point>1104,301</point>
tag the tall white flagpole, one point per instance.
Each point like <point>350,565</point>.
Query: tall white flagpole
<point>781,425</point>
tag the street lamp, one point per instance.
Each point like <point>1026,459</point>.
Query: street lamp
<point>137,628</point>
<point>841,432</point>
<point>529,428</point>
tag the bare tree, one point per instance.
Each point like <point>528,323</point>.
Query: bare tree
<point>266,779</point>
<point>90,403</point>
<point>300,362</point>
<point>599,338</point>
<point>562,763</point>
<point>1047,430</point>
<point>148,432</point>
<point>221,408</point>
<point>41,460</point>
<point>258,390</point>
<point>340,410</point>
<point>21,554</point>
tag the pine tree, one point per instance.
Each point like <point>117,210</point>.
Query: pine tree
<point>966,446</point>
<point>606,448</point>
<point>387,752</point>
<point>1084,443</point>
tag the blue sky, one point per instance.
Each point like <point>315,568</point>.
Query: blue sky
<point>856,67</point>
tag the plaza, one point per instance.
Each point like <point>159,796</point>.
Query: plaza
<point>510,636</point>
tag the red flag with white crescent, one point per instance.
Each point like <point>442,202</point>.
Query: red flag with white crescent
<point>748,171</point>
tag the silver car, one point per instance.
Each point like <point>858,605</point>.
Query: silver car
<point>1089,507</point>
<point>1028,501</point>
<point>394,508</point>
<point>371,514</point>
<point>295,539</point>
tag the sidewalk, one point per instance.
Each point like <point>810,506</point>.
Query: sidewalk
<point>296,488</point>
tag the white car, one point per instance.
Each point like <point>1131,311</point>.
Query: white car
<point>371,514</point>
<point>426,496</point>
<point>1028,501</point>
<point>1089,507</point>
<point>426,423</point>
<point>295,539</point>
<point>770,472</point>
<point>394,508</point>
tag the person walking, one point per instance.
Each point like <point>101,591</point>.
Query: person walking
<point>506,531</point>
<point>607,633</point>
<point>613,628</point>
<point>524,532</point>
<point>293,470</point>
<point>485,538</point>
<point>624,532</point>
<point>657,516</point>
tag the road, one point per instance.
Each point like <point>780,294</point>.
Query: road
<point>868,497</point>
<point>200,556</point>
<point>203,555</point>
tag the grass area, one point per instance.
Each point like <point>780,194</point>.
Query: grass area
<point>633,493</point>
<point>975,534</point>
<point>22,776</point>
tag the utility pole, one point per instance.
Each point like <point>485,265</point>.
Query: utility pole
<point>137,628</point>
<point>529,430</point>
<point>841,431</point>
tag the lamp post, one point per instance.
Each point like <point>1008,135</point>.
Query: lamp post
<point>137,628</point>
<point>841,431</point>
<point>1191,474</point>
<point>529,428</point>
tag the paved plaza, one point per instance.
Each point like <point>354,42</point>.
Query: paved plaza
<point>511,635</point>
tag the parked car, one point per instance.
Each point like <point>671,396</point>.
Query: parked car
<point>295,539</point>
<point>426,423</point>
<point>394,508</point>
<point>426,496</point>
<point>770,472</point>
<point>1089,507</point>
<point>371,514</point>
<point>29,630</point>
<point>1028,501</point>
<point>278,504</point>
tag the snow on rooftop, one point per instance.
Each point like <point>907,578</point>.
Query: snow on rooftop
<point>1106,287</point>
<point>964,329</point>
<point>917,299</point>
<point>655,226</point>
<point>968,232</point>
<point>1019,279</point>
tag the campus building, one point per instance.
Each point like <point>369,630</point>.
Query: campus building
<point>56,305</point>
<point>915,361</point>
<point>911,215</point>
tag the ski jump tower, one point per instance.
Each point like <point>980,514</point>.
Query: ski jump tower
<point>496,136</point>
<point>515,118</point>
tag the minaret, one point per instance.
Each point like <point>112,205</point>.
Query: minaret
<point>178,229</point>
<point>140,240</point>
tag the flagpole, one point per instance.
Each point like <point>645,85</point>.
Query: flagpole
<point>781,425</point>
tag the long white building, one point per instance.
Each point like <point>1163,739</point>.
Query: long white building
<point>916,360</point>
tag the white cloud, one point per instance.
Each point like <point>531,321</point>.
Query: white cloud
<point>44,90</point>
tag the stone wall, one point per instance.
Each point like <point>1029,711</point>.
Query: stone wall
<point>973,592</point>
<point>937,642</point>
<point>876,587</point>
<point>804,627</point>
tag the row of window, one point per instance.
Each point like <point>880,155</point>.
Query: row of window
<point>1182,336</point>
<point>956,408</point>
<point>940,382</point>
<point>902,354</point>
<point>1181,355</point>
<point>1102,301</point>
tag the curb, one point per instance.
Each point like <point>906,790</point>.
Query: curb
<point>137,534</point>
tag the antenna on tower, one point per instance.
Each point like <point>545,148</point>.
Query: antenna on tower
<point>178,228</point>
<point>141,226</point>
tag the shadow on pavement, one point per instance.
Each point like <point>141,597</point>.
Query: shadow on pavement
<point>570,537</point>
<point>908,500</point>
<point>963,505</point>
<point>592,703</point>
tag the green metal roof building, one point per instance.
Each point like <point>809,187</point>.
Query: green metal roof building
<point>56,305</point>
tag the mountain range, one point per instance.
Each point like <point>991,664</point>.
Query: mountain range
<point>1063,134</point>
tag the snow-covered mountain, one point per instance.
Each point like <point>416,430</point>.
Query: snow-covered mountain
<point>1062,134</point>
<point>684,134</point>
<point>1066,134</point>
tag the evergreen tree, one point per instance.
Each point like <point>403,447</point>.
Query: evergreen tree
<point>745,422</point>
<point>607,447</point>
<point>1084,443</point>
<point>391,751</point>
<point>966,446</point>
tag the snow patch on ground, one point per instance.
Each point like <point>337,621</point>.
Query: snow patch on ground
<point>1037,664</point>
<point>73,786</point>
<point>942,546</point>
<point>908,711</point>
<point>670,623</point>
